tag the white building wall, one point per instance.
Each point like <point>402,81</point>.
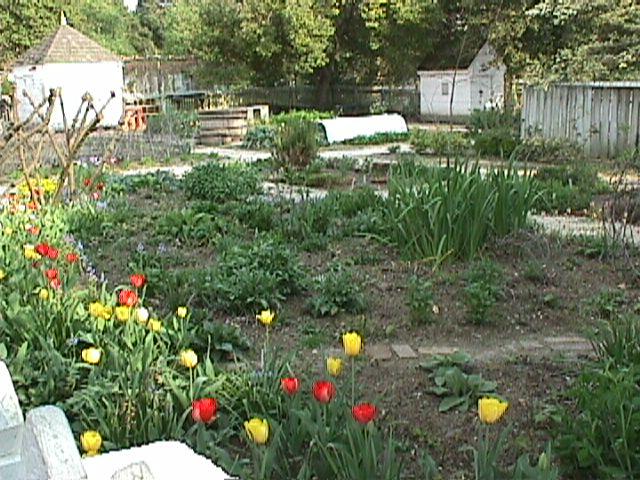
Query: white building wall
<point>487,79</point>
<point>436,88</point>
<point>74,80</point>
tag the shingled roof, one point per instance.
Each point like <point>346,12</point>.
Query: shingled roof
<point>66,45</point>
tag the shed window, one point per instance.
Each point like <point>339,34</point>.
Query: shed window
<point>445,88</point>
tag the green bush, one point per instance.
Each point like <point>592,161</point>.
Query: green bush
<point>219,183</point>
<point>261,136</point>
<point>296,145</point>
<point>440,142</point>
<point>567,188</point>
<point>379,138</point>
<point>182,123</point>
<point>420,300</point>
<point>494,132</point>
<point>541,150</point>
<point>337,291</point>
<point>484,288</point>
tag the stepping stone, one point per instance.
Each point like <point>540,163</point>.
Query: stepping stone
<point>569,339</point>
<point>379,351</point>
<point>404,351</point>
<point>530,344</point>
<point>437,350</point>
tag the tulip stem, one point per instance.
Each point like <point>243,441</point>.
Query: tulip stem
<point>353,381</point>
<point>191,383</point>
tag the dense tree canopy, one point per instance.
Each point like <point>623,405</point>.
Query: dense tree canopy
<point>352,41</point>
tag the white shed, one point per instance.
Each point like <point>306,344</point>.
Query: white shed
<point>76,64</point>
<point>477,86</point>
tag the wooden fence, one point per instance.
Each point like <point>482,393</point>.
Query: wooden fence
<point>602,117</point>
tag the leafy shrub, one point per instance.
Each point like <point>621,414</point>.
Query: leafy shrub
<point>440,143</point>
<point>181,123</point>
<point>337,291</point>
<point>567,188</point>
<point>301,115</point>
<point>379,138</point>
<point>296,145</point>
<point>494,132</point>
<point>219,183</point>
<point>420,300</point>
<point>192,227</point>
<point>618,341</point>
<point>541,150</point>
<point>261,136</point>
<point>484,288</point>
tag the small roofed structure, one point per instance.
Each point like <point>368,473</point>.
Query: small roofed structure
<point>479,84</point>
<point>75,64</point>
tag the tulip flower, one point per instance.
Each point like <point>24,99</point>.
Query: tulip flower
<point>266,317</point>
<point>142,315</point>
<point>128,298</point>
<point>257,430</point>
<point>290,385</point>
<point>334,366</point>
<point>34,230</point>
<point>188,358</point>
<point>123,313</point>
<point>204,410</point>
<point>87,182</point>
<point>154,325</point>
<point>51,273</point>
<point>324,391</point>
<point>91,355</point>
<point>56,283</point>
<point>352,343</point>
<point>364,412</point>
<point>3,274</point>
<point>138,280</point>
<point>53,253</point>
<point>98,310</point>
<point>491,410</point>
<point>8,231</point>
<point>181,312</point>
<point>43,294</point>
<point>72,257</point>
<point>91,442</point>
<point>42,249</point>
<point>30,253</point>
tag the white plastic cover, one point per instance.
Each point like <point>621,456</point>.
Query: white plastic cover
<point>345,128</point>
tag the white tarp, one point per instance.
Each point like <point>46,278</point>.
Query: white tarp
<point>345,128</point>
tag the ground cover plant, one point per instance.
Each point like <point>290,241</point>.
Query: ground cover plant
<point>157,315</point>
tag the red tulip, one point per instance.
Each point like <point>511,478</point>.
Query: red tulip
<point>100,186</point>
<point>52,253</point>
<point>51,274</point>
<point>204,410</point>
<point>56,283</point>
<point>72,257</point>
<point>43,249</point>
<point>364,412</point>
<point>87,182</point>
<point>324,391</point>
<point>290,385</point>
<point>34,230</point>
<point>128,298</point>
<point>96,195</point>
<point>138,280</point>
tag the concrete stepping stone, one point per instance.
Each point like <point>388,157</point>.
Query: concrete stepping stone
<point>379,351</point>
<point>404,351</point>
<point>437,350</point>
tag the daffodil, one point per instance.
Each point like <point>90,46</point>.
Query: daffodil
<point>188,358</point>
<point>352,343</point>
<point>91,442</point>
<point>181,312</point>
<point>491,410</point>
<point>91,355</point>
<point>257,430</point>
<point>334,366</point>
<point>266,317</point>
<point>123,313</point>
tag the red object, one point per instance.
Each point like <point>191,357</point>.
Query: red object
<point>100,186</point>
<point>128,298</point>
<point>290,385</point>
<point>43,249</point>
<point>138,280</point>
<point>53,253</point>
<point>324,391</point>
<point>87,182</point>
<point>51,273</point>
<point>56,283</point>
<point>364,412</point>
<point>204,410</point>
<point>72,257</point>
<point>34,230</point>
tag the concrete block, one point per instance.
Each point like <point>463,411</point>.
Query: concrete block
<point>379,351</point>
<point>404,351</point>
<point>11,427</point>
<point>49,450</point>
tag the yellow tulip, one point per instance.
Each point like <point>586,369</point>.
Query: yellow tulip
<point>266,317</point>
<point>3,274</point>
<point>334,366</point>
<point>352,343</point>
<point>91,442</point>
<point>8,231</point>
<point>30,253</point>
<point>181,312</point>
<point>95,309</point>
<point>491,410</point>
<point>123,313</point>
<point>154,325</point>
<point>257,430</point>
<point>142,315</point>
<point>91,355</point>
<point>43,294</point>
<point>188,358</point>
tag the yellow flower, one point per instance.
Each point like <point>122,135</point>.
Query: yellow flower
<point>181,312</point>
<point>123,313</point>
<point>3,274</point>
<point>258,430</point>
<point>154,325</point>
<point>30,253</point>
<point>188,358</point>
<point>91,355</point>
<point>43,294</point>
<point>352,343</point>
<point>142,315</point>
<point>91,442</point>
<point>266,317</point>
<point>8,231</point>
<point>491,410</point>
<point>334,366</point>
<point>95,309</point>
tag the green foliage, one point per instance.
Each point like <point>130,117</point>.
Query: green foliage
<point>191,227</point>
<point>379,138</point>
<point>260,137</point>
<point>567,188</point>
<point>214,182</point>
<point>494,132</point>
<point>485,284</point>
<point>439,142</point>
<point>618,341</point>
<point>300,116</point>
<point>420,300</point>
<point>460,390</point>
<point>607,304</point>
<point>296,145</point>
<point>180,123</point>
<point>337,291</point>
<point>554,151</point>
<point>436,213</point>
